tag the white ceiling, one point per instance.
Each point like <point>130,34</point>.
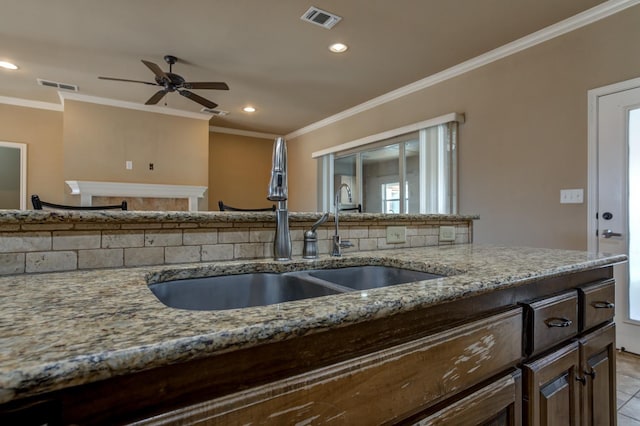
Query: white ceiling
<point>268,56</point>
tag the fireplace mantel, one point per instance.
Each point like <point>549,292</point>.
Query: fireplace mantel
<point>88,189</point>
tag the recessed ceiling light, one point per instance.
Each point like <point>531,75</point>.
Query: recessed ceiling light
<point>249,109</point>
<point>338,47</point>
<point>8,65</point>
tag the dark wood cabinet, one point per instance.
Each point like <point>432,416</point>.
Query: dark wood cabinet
<point>551,388</point>
<point>597,363</point>
<point>498,403</point>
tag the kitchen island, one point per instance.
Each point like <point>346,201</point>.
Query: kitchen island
<point>96,346</point>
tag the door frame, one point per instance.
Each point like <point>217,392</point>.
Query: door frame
<point>592,137</point>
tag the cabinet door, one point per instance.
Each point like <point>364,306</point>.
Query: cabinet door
<point>551,392</point>
<point>496,404</point>
<point>597,361</point>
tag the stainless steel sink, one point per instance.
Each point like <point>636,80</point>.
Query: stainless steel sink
<point>369,277</point>
<point>236,291</point>
<point>259,289</point>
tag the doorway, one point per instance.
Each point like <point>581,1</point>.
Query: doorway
<point>13,175</point>
<point>614,201</point>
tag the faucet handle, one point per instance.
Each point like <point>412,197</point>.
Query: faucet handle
<point>346,244</point>
<point>320,221</point>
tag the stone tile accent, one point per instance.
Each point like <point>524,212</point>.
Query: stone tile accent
<point>358,232</point>
<point>368,244</point>
<point>261,235</point>
<point>73,240</point>
<point>24,241</point>
<point>47,226</point>
<point>233,235</point>
<point>417,241</point>
<point>122,239</point>
<point>217,252</point>
<point>110,245</point>
<point>51,261</point>
<point>100,258</point>
<point>199,237</point>
<point>163,238</point>
<point>249,251</point>
<point>12,263</point>
<point>95,226</point>
<point>183,254</point>
<point>140,256</point>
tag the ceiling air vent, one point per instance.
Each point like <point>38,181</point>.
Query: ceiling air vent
<point>216,112</point>
<point>320,17</point>
<point>57,85</point>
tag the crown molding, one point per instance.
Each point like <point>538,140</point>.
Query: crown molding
<point>64,96</point>
<point>575,22</point>
<point>227,130</point>
<point>31,104</point>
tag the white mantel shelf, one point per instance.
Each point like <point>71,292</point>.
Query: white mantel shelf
<point>88,189</point>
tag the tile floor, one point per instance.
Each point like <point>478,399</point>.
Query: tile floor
<point>628,383</point>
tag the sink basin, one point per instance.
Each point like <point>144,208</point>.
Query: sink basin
<point>369,277</point>
<point>236,291</point>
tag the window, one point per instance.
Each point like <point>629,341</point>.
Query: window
<point>416,164</point>
<point>391,197</point>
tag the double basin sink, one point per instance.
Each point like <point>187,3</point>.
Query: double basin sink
<point>258,289</point>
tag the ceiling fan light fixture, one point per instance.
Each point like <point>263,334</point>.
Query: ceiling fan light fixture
<point>338,47</point>
<point>8,65</point>
<point>249,109</point>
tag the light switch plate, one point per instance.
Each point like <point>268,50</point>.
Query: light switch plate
<point>396,234</point>
<point>571,196</point>
<point>128,165</point>
<point>447,233</point>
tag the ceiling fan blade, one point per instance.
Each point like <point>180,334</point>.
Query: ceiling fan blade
<point>215,85</point>
<point>130,81</point>
<point>156,97</point>
<point>157,71</point>
<point>199,99</point>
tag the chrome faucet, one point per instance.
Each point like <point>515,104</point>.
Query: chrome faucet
<point>337,244</point>
<point>278,192</point>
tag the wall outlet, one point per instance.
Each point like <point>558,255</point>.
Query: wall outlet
<point>128,165</point>
<point>447,233</point>
<point>396,234</point>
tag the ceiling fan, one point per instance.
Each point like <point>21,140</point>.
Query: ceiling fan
<point>171,82</point>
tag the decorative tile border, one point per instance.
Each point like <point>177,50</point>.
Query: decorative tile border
<point>30,247</point>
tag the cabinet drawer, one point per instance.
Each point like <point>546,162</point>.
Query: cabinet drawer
<point>549,321</point>
<point>597,303</point>
<point>380,387</point>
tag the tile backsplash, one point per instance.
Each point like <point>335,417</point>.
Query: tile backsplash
<point>28,247</point>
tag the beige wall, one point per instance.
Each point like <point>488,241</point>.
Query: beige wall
<point>240,167</point>
<point>99,139</point>
<point>41,130</point>
<point>525,137</point>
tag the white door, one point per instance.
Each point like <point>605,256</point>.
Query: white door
<point>618,203</point>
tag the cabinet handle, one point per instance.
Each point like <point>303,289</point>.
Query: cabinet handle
<point>558,322</point>
<point>582,380</point>
<point>603,305</point>
<point>591,374</point>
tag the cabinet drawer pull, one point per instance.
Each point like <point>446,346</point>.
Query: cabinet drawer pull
<point>603,305</point>
<point>591,374</point>
<point>558,322</point>
<point>582,380</point>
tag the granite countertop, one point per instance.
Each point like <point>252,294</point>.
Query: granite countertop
<point>63,329</point>
<point>8,217</point>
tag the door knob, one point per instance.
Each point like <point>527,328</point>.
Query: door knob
<point>608,233</point>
